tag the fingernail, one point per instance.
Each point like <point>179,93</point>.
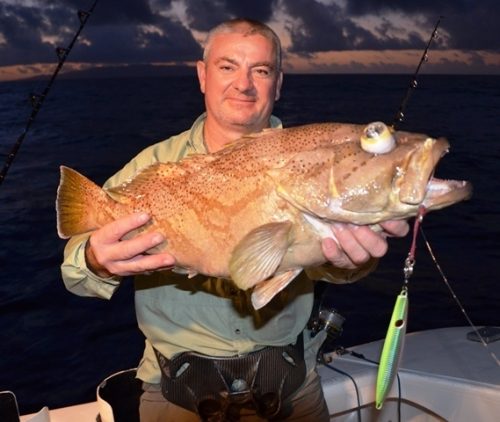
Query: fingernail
<point>143,217</point>
<point>157,238</point>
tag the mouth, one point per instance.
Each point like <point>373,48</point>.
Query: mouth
<point>420,170</point>
<point>440,193</point>
<point>239,100</point>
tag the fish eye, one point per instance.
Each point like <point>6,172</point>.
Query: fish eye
<point>377,138</point>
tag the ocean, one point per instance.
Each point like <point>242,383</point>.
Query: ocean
<point>55,347</point>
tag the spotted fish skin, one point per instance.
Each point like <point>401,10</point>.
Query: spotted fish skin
<point>256,211</point>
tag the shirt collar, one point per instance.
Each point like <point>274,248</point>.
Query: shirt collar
<point>197,141</point>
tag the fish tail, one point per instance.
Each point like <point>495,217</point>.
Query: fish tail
<point>78,203</point>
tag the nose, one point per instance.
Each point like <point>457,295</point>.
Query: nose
<point>243,81</point>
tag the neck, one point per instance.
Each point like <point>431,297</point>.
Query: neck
<point>217,136</point>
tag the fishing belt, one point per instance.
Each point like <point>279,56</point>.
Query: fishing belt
<point>217,388</point>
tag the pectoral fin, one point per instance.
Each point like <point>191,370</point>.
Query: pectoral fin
<point>259,254</point>
<point>265,291</point>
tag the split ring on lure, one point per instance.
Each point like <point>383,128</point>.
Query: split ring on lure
<point>393,348</point>
<point>377,138</point>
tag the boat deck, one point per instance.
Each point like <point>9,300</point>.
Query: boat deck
<point>444,376</point>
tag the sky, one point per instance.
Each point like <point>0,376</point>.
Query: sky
<point>318,36</point>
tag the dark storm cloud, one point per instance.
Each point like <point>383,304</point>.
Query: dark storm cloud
<point>472,25</point>
<point>21,29</point>
<point>318,27</point>
<point>115,30</point>
<point>205,14</point>
<point>466,25</point>
<point>114,11</point>
<point>118,30</point>
<point>134,44</point>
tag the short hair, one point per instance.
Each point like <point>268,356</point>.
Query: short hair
<point>246,27</point>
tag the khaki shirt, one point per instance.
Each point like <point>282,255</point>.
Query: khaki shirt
<point>206,315</point>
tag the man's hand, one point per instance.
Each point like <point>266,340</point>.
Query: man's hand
<point>108,255</point>
<point>356,245</point>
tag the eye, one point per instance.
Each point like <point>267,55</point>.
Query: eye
<point>226,68</point>
<point>377,138</point>
<point>263,72</point>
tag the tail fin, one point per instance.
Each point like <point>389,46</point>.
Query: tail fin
<point>79,204</point>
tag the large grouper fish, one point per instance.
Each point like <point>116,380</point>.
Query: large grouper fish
<point>256,211</point>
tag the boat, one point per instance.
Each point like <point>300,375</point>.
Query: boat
<point>445,374</point>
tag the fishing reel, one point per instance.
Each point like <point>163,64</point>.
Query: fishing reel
<point>328,320</point>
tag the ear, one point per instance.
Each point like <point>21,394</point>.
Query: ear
<point>201,70</point>
<point>279,82</point>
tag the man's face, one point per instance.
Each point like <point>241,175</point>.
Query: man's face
<point>240,80</point>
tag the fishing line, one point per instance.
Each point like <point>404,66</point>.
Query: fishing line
<point>38,99</point>
<point>358,409</point>
<point>462,309</point>
<point>394,339</point>
<point>342,351</point>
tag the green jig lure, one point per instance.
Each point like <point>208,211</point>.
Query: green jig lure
<point>393,347</point>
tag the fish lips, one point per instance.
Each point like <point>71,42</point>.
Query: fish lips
<point>419,168</point>
<point>422,187</point>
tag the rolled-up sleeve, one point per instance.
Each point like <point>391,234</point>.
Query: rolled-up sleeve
<point>77,277</point>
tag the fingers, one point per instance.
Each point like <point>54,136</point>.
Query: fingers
<point>115,231</point>
<point>334,253</point>
<point>141,264</point>
<point>396,228</point>
<point>356,245</point>
<point>107,254</point>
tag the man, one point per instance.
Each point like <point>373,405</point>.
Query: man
<point>241,78</point>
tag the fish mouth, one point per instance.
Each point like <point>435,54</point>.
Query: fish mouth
<point>440,193</point>
<point>420,169</point>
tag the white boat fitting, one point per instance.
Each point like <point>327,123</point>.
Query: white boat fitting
<point>444,376</point>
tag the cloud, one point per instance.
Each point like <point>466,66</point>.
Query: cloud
<point>22,29</point>
<point>116,32</point>
<point>317,27</point>
<point>470,25</point>
<point>115,12</point>
<point>142,31</point>
<point>161,41</point>
<point>205,14</point>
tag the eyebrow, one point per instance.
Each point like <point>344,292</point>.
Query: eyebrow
<point>256,64</point>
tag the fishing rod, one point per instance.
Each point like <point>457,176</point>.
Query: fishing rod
<point>399,117</point>
<point>37,100</point>
<point>394,340</point>
<point>393,343</point>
